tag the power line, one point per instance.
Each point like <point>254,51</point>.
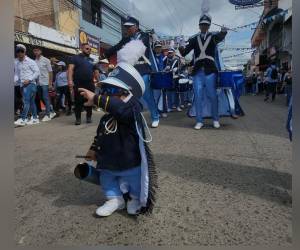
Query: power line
<point>178,14</point>
<point>169,13</point>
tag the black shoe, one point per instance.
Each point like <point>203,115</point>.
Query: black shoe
<point>266,99</point>
<point>89,120</point>
<point>78,122</point>
<point>69,113</point>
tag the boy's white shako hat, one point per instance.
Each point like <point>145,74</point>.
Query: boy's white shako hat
<point>128,78</point>
<point>125,76</point>
<point>205,19</point>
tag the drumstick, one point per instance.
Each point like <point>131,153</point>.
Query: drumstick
<point>223,26</point>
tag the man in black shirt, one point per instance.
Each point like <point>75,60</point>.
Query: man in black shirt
<point>80,75</point>
<point>205,69</point>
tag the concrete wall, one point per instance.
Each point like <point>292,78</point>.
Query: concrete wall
<point>57,14</point>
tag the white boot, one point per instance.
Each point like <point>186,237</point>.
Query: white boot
<point>133,206</point>
<point>216,124</point>
<point>111,206</point>
<point>198,125</point>
<point>155,124</point>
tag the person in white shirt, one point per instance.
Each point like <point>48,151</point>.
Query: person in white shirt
<point>44,82</point>
<point>26,74</point>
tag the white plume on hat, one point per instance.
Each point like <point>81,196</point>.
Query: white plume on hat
<point>205,7</point>
<point>131,52</point>
<point>132,10</point>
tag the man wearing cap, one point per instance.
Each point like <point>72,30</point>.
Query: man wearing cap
<point>205,70</point>
<point>103,65</point>
<point>26,74</point>
<point>44,83</point>
<point>143,66</point>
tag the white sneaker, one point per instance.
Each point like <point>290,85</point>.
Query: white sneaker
<point>164,115</point>
<point>20,122</point>
<point>216,124</point>
<point>33,121</point>
<point>155,124</point>
<point>170,110</point>
<point>133,206</point>
<point>52,115</point>
<point>198,125</point>
<point>98,109</point>
<point>111,206</point>
<point>46,118</point>
<point>179,109</point>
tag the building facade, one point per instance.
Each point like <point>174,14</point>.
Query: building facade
<point>103,21</point>
<point>50,24</point>
<point>272,37</point>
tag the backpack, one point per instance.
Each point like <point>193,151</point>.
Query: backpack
<point>274,74</point>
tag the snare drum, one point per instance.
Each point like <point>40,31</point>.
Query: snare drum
<point>226,78</point>
<point>162,80</point>
<point>183,85</point>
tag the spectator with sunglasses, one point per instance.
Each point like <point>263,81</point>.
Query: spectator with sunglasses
<point>80,75</point>
<point>26,74</point>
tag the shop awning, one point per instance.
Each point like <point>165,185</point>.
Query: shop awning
<point>29,39</point>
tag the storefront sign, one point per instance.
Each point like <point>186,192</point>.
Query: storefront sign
<point>52,35</point>
<point>94,42</point>
<point>27,39</point>
<point>244,2</point>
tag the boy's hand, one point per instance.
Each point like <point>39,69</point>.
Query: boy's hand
<point>89,95</point>
<point>90,155</point>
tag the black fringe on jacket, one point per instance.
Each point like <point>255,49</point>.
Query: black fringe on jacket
<point>153,178</point>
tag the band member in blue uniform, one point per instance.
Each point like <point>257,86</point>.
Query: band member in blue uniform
<point>159,67</point>
<point>172,63</point>
<point>144,64</point>
<point>205,70</point>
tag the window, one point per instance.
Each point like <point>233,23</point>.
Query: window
<point>91,12</point>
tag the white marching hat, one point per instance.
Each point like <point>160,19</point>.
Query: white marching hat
<point>205,19</point>
<point>126,77</point>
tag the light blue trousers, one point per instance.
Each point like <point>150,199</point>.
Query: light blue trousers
<point>207,83</point>
<point>149,99</point>
<point>111,181</point>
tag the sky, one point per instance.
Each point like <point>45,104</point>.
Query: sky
<point>181,17</point>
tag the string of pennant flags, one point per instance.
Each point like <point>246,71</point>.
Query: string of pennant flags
<point>265,20</point>
<point>236,55</point>
<point>178,39</point>
<point>238,49</point>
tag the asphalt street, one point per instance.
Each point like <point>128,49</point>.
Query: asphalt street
<point>223,187</point>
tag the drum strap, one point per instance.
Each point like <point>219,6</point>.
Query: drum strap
<point>174,69</point>
<point>203,48</point>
